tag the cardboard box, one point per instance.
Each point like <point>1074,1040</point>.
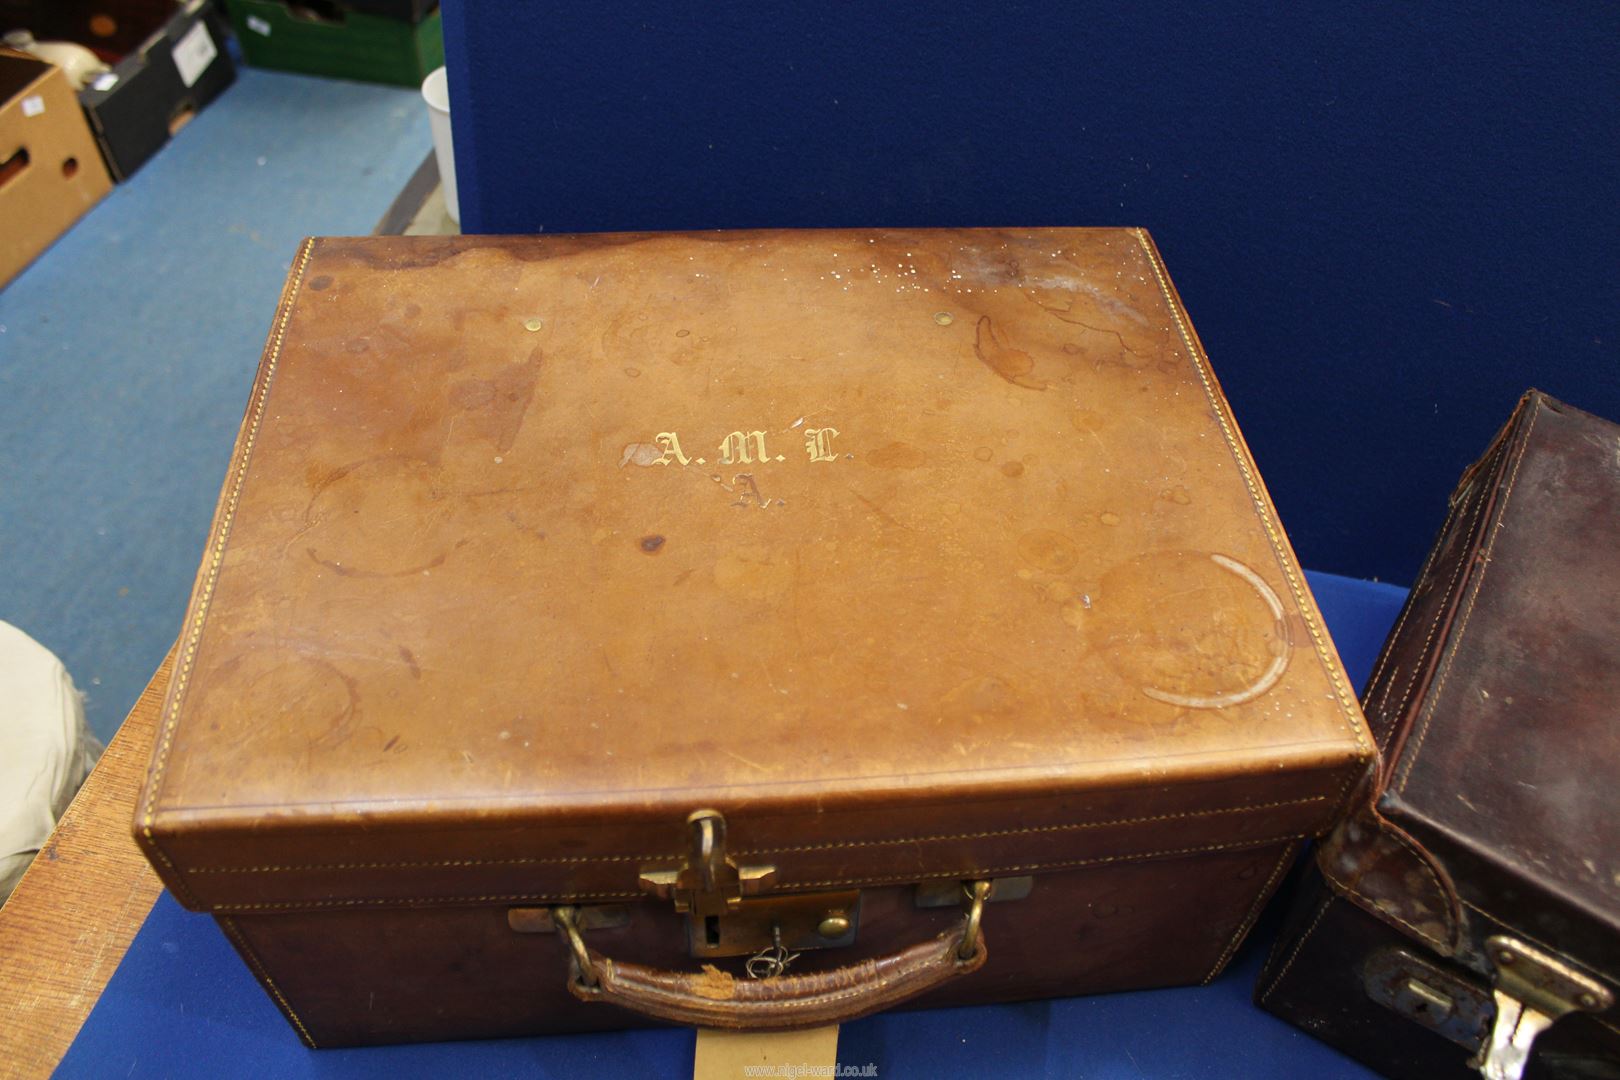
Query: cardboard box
<point>50,170</point>
<point>324,38</point>
<point>168,61</point>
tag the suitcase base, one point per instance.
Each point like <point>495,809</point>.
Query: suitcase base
<point>348,977</point>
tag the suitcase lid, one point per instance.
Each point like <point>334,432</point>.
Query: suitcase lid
<point>917,554</point>
<point>1494,705</point>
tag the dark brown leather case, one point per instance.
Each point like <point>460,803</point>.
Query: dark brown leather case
<point>1474,896</point>
<point>591,623</point>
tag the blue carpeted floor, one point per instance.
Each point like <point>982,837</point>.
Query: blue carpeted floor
<point>127,351</point>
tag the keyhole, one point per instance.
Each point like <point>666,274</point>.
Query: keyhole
<point>711,930</point>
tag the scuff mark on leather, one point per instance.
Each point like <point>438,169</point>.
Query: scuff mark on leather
<point>361,572</point>
<point>641,453</point>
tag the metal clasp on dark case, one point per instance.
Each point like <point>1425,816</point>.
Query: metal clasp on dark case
<point>1533,990</point>
<point>1427,994</point>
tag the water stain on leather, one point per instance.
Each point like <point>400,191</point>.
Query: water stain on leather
<point>376,517</point>
<point>985,697</point>
<point>1062,306</point>
<point>389,257</point>
<point>1048,550</point>
<point>1012,469</point>
<point>1015,365</point>
<point>1087,421</point>
<point>1192,629</point>
<point>493,408</point>
<point>897,455</point>
<point>320,701</point>
<point>755,572</point>
<point>653,544</point>
<point>321,282</point>
<point>410,662</point>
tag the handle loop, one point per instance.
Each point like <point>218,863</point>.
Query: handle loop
<point>713,998</point>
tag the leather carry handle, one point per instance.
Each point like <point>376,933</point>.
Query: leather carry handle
<point>715,999</point>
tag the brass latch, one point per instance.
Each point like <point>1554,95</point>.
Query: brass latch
<point>1428,994</point>
<point>1532,991</point>
<point>707,883</point>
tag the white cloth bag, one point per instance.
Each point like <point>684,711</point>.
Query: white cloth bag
<point>45,749</point>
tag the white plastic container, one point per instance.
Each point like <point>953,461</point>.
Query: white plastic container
<point>436,92</point>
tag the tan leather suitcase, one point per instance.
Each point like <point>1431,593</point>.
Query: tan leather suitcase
<point>745,629</point>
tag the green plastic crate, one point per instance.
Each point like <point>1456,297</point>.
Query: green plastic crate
<point>338,42</point>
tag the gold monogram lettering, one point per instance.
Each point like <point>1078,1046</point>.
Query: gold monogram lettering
<point>671,443</point>
<point>818,443</point>
<point>734,450</point>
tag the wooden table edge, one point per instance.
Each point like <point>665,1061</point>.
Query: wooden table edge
<point>73,915</point>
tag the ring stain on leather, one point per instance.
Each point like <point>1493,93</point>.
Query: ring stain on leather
<point>321,702</point>
<point>1048,550</point>
<point>357,523</point>
<point>1192,629</point>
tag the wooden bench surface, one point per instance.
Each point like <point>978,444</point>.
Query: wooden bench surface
<point>73,915</point>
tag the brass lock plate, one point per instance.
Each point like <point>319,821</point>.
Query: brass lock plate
<point>955,892</point>
<point>538,920</point>
<point>810,921</point>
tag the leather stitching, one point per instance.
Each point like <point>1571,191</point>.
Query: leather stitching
<point>1510,927</point>
<point>629,990</point>
<point>1045,828</point>
<point>1462,626</point>
<point>1283,862</point>
<point>1299,945</point>
<point>1426,861</point>
<point>1461,509</point>
<point>1406,610</point>
<point>183,666</point>
<point>785,885</point>
<point>404,901</point>
<point>589,859</point>
<point>253,961</point>
<point>1481,500</point>
<point>315,867</point>
<point>1379,913</point>
<point>1386,828</point>
<point>1440,614</point>
<point>1278,546</point>
<point>1067,865</point>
